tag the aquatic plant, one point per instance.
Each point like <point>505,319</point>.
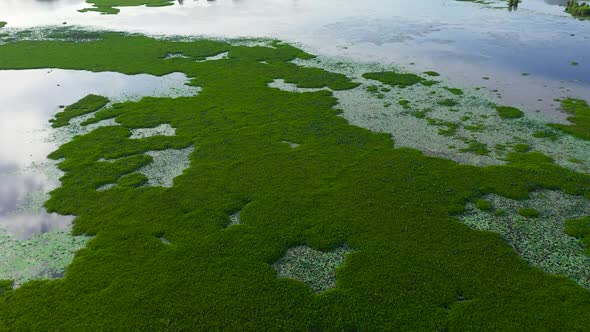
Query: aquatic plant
<point>41,256</point>
<point>448,102</point>
<point>580,228</point>
<point>395,79</point>
<point>109,6</point>
<point>549,235</point>
<point>455,91</point>
<point>580,118</point>
<point>415,266</point>
<point>476,115</point>
<point>546,133</point>
<point>429,82</point>
<point>88,104</point>
<point>404,103</point>
<point>483,204</point>
<point>522,148</point>
<point>528,212</point>
<point>509,112</point>
<point>477,148</point>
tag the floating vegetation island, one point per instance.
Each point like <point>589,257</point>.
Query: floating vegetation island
<point>110,6</point>
<point>283,211</point>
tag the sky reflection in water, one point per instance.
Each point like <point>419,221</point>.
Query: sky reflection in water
<point>462,40</point>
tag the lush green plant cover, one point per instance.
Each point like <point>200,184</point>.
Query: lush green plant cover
<point>413,267</point>
<point>546,133</point>
<point>109,6</point>
<point>580,118</point>
<point>580,228</point>
<point>431,73</point>
<point>5,285</point>
<point>478,148</point>
<point>455,91</point>
<point>448,102</point>
<point>528,212</point>
<point>509,112</point>
<point>483,204</point>
<point>522,148</point>
<point>395,79</point>
<point>405,103</point>
<point>2,24</point>
<point>429,82</point>
<point>88,104</point>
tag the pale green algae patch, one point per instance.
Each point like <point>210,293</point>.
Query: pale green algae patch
<point>536,228</point>
<point>43,256</point>
<point>580,229</point>
<point>163,130</point>
<point>235,219</point>
<point>166,165</point>
<point>313,267</point>
<point>579,116</point>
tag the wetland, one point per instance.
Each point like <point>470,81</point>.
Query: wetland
<point>335,166</point>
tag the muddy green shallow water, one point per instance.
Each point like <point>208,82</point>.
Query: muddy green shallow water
<point>260,187</point>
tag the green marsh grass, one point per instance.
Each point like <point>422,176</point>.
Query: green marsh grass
<point>414,265</point>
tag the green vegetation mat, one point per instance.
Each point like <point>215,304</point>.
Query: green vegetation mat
<point>580,228</point>
<point>88,104</point>
<point>394,79</point>
<point>508,112</point>
<point>172,258</point>
<point>580,118</point>
<point>539,229</point>
<point>109,6</point>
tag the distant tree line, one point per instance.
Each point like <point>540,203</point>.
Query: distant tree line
<point>577,9</point>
